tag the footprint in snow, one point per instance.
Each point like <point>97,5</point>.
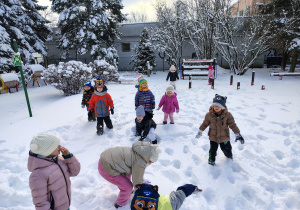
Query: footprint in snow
<point>165,163</point>
<point>279,155</point>
<point>294,163</point>
<point>169,151</point>
<point>287,142</point>
<point>215,172</point>
<point>177,164</point>
<point>209,195</point>
<point>189,171</point>
<point>261,137</point>
<point>196,159</point>
<point>186,149</point>
<point>2,141</point>
<point>171,175</point>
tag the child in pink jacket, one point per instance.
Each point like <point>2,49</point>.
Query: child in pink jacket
<point>211,73</point>
<point>49,180</point>
<point>169,103</point>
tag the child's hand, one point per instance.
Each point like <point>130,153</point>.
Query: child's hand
<point>199,134</point>
<point>177,111</point>
<point>64,150</point>
<point>238,137</point>
<point>82,105</point>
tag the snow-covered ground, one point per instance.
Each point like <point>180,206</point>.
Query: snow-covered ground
<point>264,173</point>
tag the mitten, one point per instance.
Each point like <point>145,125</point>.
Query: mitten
<point>153,106</point>
<point>177,111</point>
<point>199,134</point>
<point>238,137</point>
<point>158,108</point>
<point>188,189</point>
<point>112,110</point>
<point>82,105</point>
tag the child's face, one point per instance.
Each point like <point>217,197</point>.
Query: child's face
<point>169,93</point>
<point>99,89</point>
<point>144,85</point>
<point>217,108</point>
<point>55,152</point>
<point>86,88</point>
<point>140,118</point>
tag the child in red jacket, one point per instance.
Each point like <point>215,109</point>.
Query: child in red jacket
<point>103,104</point>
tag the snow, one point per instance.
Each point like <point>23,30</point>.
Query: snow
<point>9,77</point>
<point>264,173</point>
<point>36,67</point>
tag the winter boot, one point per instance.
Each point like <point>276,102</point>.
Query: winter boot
<point>99,130</point>
<point>171,122</point>
<point>210,162</point>
<point>155,141</point>
<point>117,205</point>
<point>164,122</point>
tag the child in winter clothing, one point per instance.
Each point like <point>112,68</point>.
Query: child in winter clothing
<point>87,94</point>
<point>138,81</point>
<point>173,75</point>
<point>211,73</point>
<point>147,197</point>
<point>145,97</point>
<point>169,103</point>
<point>117,164</point>
<point>103,105</point>
<point>145,125</point>
<point>219,119</point>
<point>49,180</point>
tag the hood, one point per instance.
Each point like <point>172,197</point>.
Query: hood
<point>173,96</point>
<point>149,152</point>
<point>35,163</point>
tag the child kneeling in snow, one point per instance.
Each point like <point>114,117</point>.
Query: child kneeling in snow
<point>145,125</point>
<point>49,180</point>
<point>169,103</point>
<point>146,197</point>
<point>219,119</point>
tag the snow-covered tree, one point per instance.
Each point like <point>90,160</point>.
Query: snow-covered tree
<point>104,70</point>
<point>170,33</point>
<point>21,20</point>
<point>144,53</point>
<point>68,77</point>
<point>88,26</point>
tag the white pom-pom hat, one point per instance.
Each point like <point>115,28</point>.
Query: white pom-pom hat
<point>44,144</point>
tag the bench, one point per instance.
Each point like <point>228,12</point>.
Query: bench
<point>195,67</point>
<point>281,74</point>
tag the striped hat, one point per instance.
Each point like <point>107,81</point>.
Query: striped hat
<point>143,81</point>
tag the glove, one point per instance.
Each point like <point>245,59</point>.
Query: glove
<point>158,108</point>
<point>82,105</point>
<point>177,111</point>
<point>199,134</point>
<point>188,189</point>
<point>238,137</point>
<point>153,106</point>
<point>112,110</point>
<point>142,138</point>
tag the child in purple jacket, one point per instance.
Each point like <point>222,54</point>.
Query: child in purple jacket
<point>49,180</point>
<point>169,103</point>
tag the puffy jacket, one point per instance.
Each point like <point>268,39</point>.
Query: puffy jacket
<point>173,76</point>
<point>143,127</point>
<point>219,125</point>
<point>146,99</point>
<point>49,181</point>
<point>87,96</point>
<point>211,73</point>
<point>169,103</point>
<point>172,201</point>
<point>101,103</point>
<point>127,160</point>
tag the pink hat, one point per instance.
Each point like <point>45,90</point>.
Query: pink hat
<point>140,77</point>
<point>210,67</point>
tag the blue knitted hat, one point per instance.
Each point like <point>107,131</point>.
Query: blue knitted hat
<point>145,197</point>
<point>88,83</point>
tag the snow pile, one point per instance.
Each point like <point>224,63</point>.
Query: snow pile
<point>9,77</point>
<point>264,172</point>
<point>68,77</point>
<point>104,70</point>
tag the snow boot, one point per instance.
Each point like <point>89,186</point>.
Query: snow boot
<point>155,141</point>
<point>171,122</point>
<point>99,130</point>
<point>164,122</point>
<point>117,205</point>
<point>210,162</point>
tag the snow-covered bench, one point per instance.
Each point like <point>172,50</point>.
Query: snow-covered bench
<point>193,67</point>
<point>9,80</point>
<point>281,74</point>
<point>34,71</point>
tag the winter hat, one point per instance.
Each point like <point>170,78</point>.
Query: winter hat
<point>98,80</point>
<point>140,111</point>
<point>88,83</point>
<point>142,81</point>
<point>210,67</point>
<point>155,151</point>
<point>44,144</point>
<point>145,197</point>
<point>140,77</point>
<point>172,68</point>
<point>219,101</point>
<point>170,88</point>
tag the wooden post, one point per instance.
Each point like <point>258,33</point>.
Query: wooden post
<point>190,82</point>
<point>212,83</point>
<point>238,85</point>
<point>148,69</point>
<point>231,79</point>
<point>253,75</point>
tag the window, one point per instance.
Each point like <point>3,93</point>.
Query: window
<point>240,13</point>
<point>247,11</point>
<point>125,47</point>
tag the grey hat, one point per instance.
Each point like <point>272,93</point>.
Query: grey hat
<point>219,101</point>
<point>170,88</point>
<point>140,111</point>
<point>44,144</point>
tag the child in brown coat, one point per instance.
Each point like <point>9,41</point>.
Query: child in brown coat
<point>219,121</point>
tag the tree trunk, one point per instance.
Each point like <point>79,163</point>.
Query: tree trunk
<point>294,61</point>
<point>284,60</point>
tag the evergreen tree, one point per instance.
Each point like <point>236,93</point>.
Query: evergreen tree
<point>88,25</point>
<point>21,20</point>
<point>143,52</point>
